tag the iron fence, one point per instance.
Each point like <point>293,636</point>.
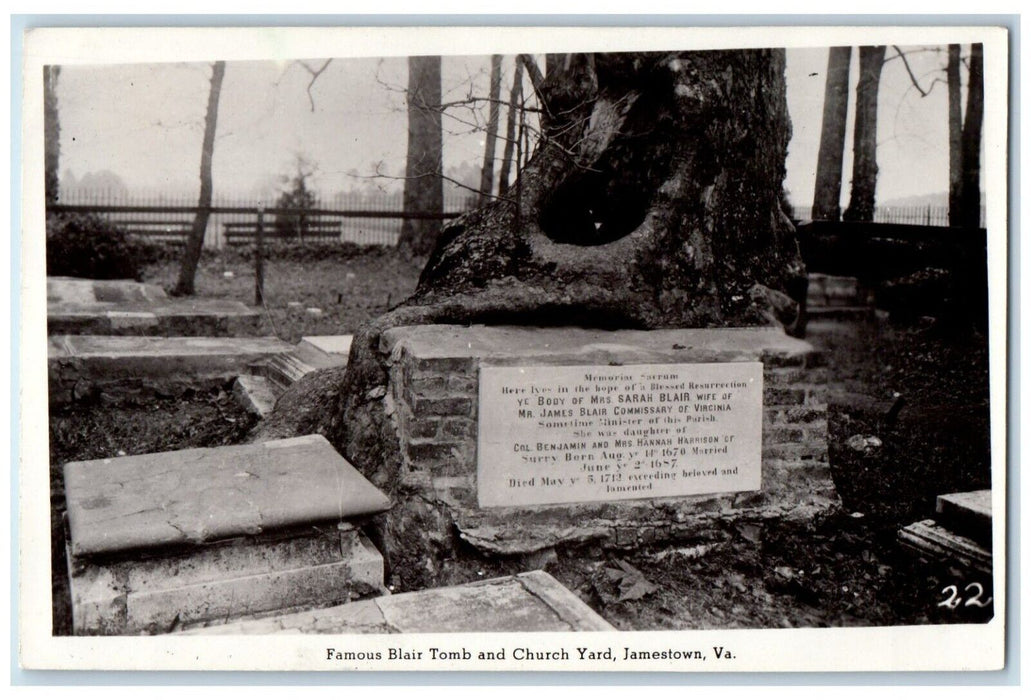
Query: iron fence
<point>919,215</point>
<point>365,219</point>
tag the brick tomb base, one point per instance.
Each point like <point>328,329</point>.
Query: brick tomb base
<point>434,401</point>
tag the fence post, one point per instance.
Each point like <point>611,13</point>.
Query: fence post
<point>259,255</point>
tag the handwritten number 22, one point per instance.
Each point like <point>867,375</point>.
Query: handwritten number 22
<point>954,600</point>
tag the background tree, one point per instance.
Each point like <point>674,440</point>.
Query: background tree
<point>827,195</point>
<point>424,186</point>
<point>51,132</point>
<point>510,127</point>
<point>955,134</point>
<point>195,243</point>
<point>487,173</point>
<point>296,195</point>
<point>864,145</point>
<point>970,192</point>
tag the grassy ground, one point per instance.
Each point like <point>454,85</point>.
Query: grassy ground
<point>349,291</point>
<point>844,569</point>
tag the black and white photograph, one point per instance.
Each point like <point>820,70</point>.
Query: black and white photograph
<point>650,349</point>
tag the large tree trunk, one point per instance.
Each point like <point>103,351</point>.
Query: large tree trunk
<point>864,147</point>
<point>51,132</point>
<point>192,251</point>
<point>487,172</point>
<point>970,194</point>
<point>424,183</point>
<point>955,136</point>
<point>827,196</point>
<point>510,127</point>
<point>653,200</point>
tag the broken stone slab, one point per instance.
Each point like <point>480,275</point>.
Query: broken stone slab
<point>527,602</point>
<point>83,365</point>
<point>170,538</point>
<point>935,543</point>
<point>329,344</point>
<point>284,370</point>
<point>968,513</point>
<point>255,394</point>
<point>123,307</point>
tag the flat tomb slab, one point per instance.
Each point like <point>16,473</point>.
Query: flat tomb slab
<point>80,364</point>
<point>936,543</point>
<point>76,290</point>
<point>528,602</point>
<point>189,497</point>
<point>154,315</point>
<point>968,513</point>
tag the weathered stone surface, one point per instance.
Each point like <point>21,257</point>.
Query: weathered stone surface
<point>157,592</point>
<point>194,496</point>
<point>529,602</point>
<point>938,544</point>
<point>122,307</point>
<point>255,394</point>
<point>76,290</point>
<point>330,344</point>
<point>81,365</point>
<point>968,513</point>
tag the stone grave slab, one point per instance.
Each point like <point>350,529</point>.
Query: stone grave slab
<point>968,513</point>
<point>123,307</point>
<point>165,539</point>
<point>329,344</point>
<point>461,437</point>
<point>933,542</point>
<point>528,602</point>
<point>284,370</point>
<point>83,365</point>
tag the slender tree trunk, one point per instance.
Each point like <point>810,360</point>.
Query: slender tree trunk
<point>424,184</point>
<point>827,196</point>
<point>487,173</point>
<point>970,194</point>
<point>955,136</point>
<point>194,245</point>
<point>51,132</point>
<point>864,149</point>
<point>510,127</point>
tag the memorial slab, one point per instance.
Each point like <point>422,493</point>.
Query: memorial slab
<point>528,602</point>
<point>161,540</point>
<point>84,365</point>
<point>598,433</point>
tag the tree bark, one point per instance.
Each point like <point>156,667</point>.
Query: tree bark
<point>827,196</point>
<point>424,183</point>
<point>487,172</point>
<point>510,127</point>
<point>955,136</point>
<point>864,149</point>
<point>51,132</point>
<point>970,195</point>
<point>195,243</point>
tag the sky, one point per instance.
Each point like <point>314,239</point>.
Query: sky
<point>144,122</point>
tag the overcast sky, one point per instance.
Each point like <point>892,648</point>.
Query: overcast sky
<point>144,122</point>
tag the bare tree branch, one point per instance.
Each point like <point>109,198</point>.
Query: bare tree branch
<point>314,76</point>
<point>909,70</point>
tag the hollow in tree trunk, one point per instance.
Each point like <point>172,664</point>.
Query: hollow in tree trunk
<point>827,195</point>
<point>195,243</point>
<point>424,184</point>
<point>864,147</point>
